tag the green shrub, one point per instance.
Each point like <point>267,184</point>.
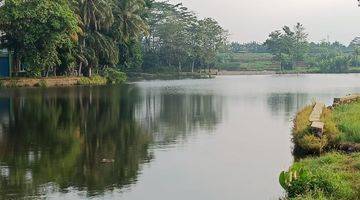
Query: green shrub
<point>94,80</point>
<point>114,76</point>
<point>33,71</point>
<point>330,62</point>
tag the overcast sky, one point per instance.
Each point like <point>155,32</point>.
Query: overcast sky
<point>253,20</point>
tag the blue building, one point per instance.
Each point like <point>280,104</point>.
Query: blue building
<point>5,63</point>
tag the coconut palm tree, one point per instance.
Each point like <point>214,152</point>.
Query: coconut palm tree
<point>129,22</point>
<point>96,18</point>
<point>129,27</point>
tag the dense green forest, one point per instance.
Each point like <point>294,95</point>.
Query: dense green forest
<point>80,37</point>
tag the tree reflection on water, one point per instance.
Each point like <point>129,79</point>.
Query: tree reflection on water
<point>60,136</point>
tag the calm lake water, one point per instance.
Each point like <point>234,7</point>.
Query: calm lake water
<point>227,138</point>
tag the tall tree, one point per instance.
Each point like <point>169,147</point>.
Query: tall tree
<point>288,46</point>
<point>35,30</point>
<point>179,40</point>
<point>211,38</point>
<point>129,27</point>
<point>96,46</point>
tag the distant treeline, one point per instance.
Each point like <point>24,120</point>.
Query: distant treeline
<point>80,37</point>
<point>291,48</point>
<point>314,47</point>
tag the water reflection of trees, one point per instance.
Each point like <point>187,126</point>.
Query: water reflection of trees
<point>62,136</point>
<point>59,137</point>
<point>286,104</point>
<point>173,116</point>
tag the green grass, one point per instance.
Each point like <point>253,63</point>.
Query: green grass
<point>341,127</point>
<point>94,80</point>
<point>261,62</point>
<point>250,57</point>
<point>251,62</point>
<point>305,141</point>
<point>302,70</point>
<point>348,120</point>
<point>334,176</point>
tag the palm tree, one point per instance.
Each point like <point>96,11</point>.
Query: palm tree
<point>129,22</point>
<point>96,18</point>
<point>130,25</point>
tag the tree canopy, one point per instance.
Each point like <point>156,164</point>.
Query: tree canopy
<point>35,31</point>
<point>76,37</point>
<point>178,39</point>
<point>288,45</point>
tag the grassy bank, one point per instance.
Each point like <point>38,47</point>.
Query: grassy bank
<point>94,80</point>
<point>333,176</point>
<point>251,62</point>
<point>305,141</point>
<point>132,76</point>
<point>341,131</point>
<point>348,117</point>
<point>107,76</point>
<point>53,81</point>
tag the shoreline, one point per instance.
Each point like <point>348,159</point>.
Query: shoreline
<point>58,81</point>
<point>328,163</point>
<point>96,80</point>
<point>236,73</point>
<point>68,81</point>
<point>134,76</point>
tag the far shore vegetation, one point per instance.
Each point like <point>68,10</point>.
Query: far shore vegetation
<point>135,38</point>
<point>289,51</point>
<point>108,38</point>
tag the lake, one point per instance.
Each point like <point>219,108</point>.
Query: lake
<point>224,138</point>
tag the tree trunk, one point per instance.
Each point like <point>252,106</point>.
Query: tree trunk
<point>80,69</point>
<point>82,47</point>
<point>192,66</point>
<point>90,72</point>
<point>180,66</point>
<point>17,63</point>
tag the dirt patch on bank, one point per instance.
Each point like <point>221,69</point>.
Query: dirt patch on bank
<point>40,82</point>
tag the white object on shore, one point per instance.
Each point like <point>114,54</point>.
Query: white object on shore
<point>315,115</point>
<point>317,127</point>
